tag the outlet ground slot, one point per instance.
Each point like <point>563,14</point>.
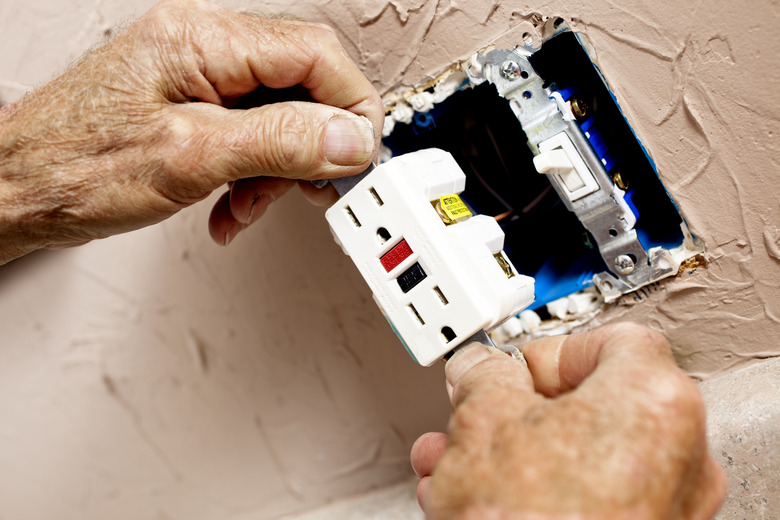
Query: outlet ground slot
<point>448,334</point>
<point>383,235</point>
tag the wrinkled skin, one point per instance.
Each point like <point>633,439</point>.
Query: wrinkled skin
<point>600,425</point>
<point>143,127</point>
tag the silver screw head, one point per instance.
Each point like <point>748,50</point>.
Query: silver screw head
<point>510,70</point>
<point>624,264</point>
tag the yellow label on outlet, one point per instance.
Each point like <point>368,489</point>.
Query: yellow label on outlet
<point>454,208</point>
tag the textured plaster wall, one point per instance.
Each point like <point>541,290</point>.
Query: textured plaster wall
<point>698,82</point>
<point>744,436</point>
<point>158,376</point>
<point>155,375</point>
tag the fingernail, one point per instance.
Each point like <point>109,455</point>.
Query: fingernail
<point>349,141</point>
<point>463,360</point>
<point>259,204</point>
<point>232,232</point>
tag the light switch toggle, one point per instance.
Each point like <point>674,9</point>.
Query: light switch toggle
<point>557,162</point>
<point>558,157</point>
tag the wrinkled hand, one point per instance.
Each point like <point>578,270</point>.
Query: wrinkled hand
<point>145,125</point>
<point>600,425</point>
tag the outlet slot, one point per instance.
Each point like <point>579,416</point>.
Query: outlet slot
<point>382,235</point>
<point>411,277</point>
<point>352,216</point>
<point>377,198</point>
<point>448,334</point>
<point>416,314</point>
<point>441,296</point>
<point>396,255</point>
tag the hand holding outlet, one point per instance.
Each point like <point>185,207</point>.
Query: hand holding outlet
<point>598,425</point>
<point>143,127</point>
<point>438,273</point>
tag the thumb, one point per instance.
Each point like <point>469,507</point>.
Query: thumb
<point>475,369</point>
<point>559,364</point>
<point>295,140</point>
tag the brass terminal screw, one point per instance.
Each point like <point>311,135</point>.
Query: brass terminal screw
<point>504,264</point>
<point>579,108</point>
<point>620,182</point>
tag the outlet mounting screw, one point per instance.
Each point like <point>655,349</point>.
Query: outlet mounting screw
<point>510,70</point>
<point>624,264</point>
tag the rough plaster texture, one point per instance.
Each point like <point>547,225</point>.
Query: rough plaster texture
<point>744,436</point>
<point>155,375</point>
<point>241,383</point>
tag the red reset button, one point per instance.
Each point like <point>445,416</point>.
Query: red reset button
<point>395,256</point>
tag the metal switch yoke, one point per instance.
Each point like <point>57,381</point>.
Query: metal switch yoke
<point>565,155</point>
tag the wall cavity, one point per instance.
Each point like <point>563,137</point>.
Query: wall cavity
<point>154,375</point>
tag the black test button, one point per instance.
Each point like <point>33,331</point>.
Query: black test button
<point>411,277</point>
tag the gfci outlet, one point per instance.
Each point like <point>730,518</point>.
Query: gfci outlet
<point>438,273</point>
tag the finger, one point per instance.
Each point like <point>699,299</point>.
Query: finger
<point>223,227</point>
<point>325,196</point>
<point>240,52</point>
<point>628,370</point>
<point>422,492</point>
<point>561,363</point>
<point>426,452</point>
<point>249,198</point>
<point>476,368</point>
<point>703,506</point>
<point>311,55</point>
<point>291,140</point>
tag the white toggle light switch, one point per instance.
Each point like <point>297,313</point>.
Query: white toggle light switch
<point>557,162</point>
<point>558,157</point>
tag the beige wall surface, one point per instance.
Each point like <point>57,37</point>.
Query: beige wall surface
<point>155,375</point>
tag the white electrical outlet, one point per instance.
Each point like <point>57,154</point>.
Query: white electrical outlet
<point>436,283</point>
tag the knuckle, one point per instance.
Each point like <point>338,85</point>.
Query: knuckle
<point>687,396</point>
<point>469,416</point>
<point>489,409</point>
<point>166,10</point>
<point>646,335</point>
<point>326,39</point>
<point>679,401</point>
<point>310,40</point>
<point>179,126</point>
<point>168,13</point>
<point>323,32</point>
<point>326,29</point>
<point>286,140</point>
<point>180,134</point>
<point>183,147</point>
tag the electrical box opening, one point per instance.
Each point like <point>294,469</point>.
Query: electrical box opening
<point>598,215</point>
